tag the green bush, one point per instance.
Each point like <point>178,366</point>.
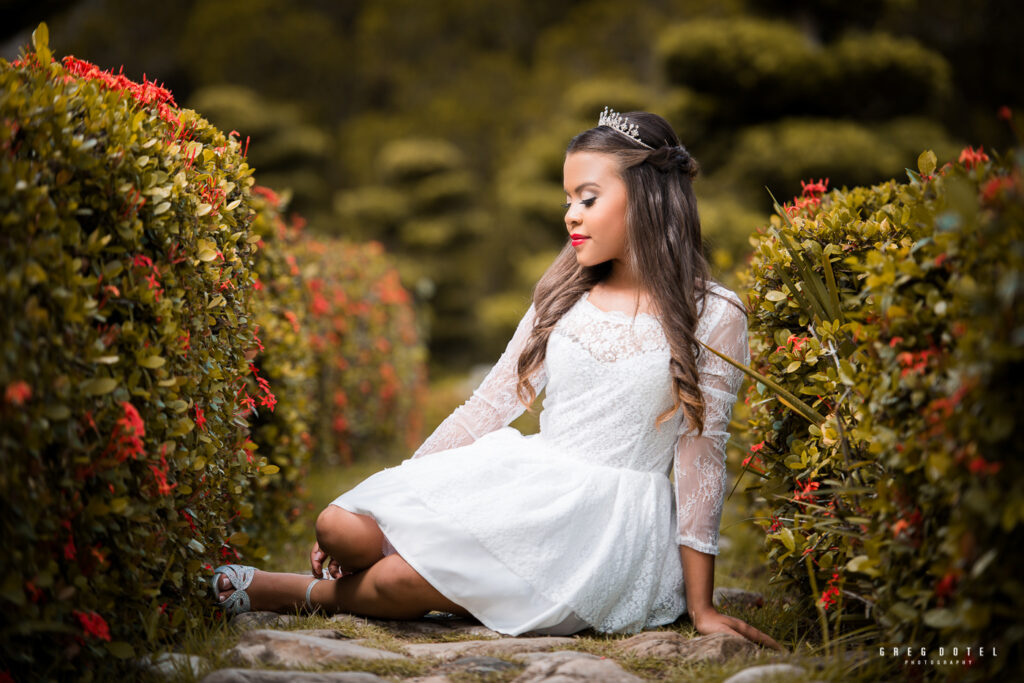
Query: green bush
<point>371,377</point>
<point>761,68</point>
<point>127,328</point>
<point>885,328</point>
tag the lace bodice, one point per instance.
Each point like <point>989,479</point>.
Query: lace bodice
<point>606,376</point>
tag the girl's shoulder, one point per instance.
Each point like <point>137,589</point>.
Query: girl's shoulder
<point>718,295</point>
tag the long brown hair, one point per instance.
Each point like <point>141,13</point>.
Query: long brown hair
<point>664,249</point>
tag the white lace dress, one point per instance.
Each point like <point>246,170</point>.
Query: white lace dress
<point>578,525</point>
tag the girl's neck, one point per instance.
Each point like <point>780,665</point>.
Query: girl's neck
<point>621,279</point>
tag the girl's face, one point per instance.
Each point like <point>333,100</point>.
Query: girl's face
<point>595,206</point>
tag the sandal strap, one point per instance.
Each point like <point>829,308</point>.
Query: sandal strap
<point>309,591</point>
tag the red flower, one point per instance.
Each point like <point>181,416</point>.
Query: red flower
<point>830,594</point>
<point>944,587</point>
<point>127,437</point>
<point>813,189</point>
<point>993,186</point>
<point>268,401</point>
<point>804,491</point>
<point>969,156</point>
<point>18,393</point>
<point>1005,113</point>
<point>755,463</point>
<point>69,545</point>
<point>894,341</point>
<point>93,624</point>
<point>200,418</point>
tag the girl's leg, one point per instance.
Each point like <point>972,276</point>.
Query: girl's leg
<point>389,589</point>
<point>354,541</point>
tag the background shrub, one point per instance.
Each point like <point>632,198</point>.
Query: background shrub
<point>891,471</point>
<point>371,367</point>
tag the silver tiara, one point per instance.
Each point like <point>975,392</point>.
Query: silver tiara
<point>609,117</point>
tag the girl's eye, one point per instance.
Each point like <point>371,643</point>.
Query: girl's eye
<point>585,202</point>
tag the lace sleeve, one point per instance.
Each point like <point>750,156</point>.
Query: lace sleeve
<point>494,404</point>
<point>700,461</point>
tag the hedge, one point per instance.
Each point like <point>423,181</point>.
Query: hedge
<point>886,342</point>
<point>127,332</point>
<point>370,363</point>
<point>169,344</point>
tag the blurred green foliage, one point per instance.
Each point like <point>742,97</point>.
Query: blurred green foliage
<point>763,93</point>
<point>888,477</point>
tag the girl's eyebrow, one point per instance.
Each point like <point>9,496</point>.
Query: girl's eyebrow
<point>582,185</point>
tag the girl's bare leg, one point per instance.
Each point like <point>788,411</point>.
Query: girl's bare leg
<point>386,587</point>
<point>389,589</point>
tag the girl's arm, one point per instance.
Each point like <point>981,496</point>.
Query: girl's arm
<point>700,471</point>
<point>494,404</point>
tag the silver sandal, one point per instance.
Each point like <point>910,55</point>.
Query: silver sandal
<point>240,576</point>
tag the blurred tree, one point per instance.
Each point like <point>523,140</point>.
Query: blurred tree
<point>422,209</point>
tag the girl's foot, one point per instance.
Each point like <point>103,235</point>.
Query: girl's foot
<point>271,591</point>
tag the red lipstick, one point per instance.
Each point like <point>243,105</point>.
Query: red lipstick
<point>577,239</point>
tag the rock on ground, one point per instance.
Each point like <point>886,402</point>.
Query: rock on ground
<point>717,647</point>
<point>247,620</point>
<point>289,649</point>
<point>766,672</point>
<point>169,664</point>
<point>576,670</point>
<point>505,646</point>
<point>268,676</point>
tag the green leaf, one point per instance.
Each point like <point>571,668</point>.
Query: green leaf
<point>41,43</point>
<point>152,362</point>
<point>940,618</point>
<point>926,162</point>
<point>98,387</point>
<point>270,469</point>
<point>197,546</point>
<point>120,649</point>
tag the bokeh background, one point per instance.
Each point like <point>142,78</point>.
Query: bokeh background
<point>439,128</point>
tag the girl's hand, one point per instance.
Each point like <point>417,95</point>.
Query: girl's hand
<point>713,621</point>
<point>316,560</point>
<point>316,563</point>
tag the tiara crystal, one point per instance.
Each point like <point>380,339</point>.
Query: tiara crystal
<point>611,118</point>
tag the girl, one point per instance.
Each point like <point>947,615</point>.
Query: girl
<point>575,527</point>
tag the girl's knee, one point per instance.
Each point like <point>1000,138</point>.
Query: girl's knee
<point>330,525</point>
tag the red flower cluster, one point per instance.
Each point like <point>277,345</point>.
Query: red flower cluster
<point>804,492</point>
<point>93,624</point>
<point>907,524</point>
<point>17,393</point>
<point>127,437</point>
<point>945,586</point>
<point>916,361</point>
<point>148,92</point>
<point>994,186</point>
<point>160,474</point>
<point>142,261</point>
<point>810,196</point>
<point>830,594</point>
<point>969,156</point>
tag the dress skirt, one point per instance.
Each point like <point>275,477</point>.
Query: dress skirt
<point>529,540</point>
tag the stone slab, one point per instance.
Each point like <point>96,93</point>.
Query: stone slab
<point>269,676</point>
<point>504,646</point>
<point>717,647</point>
<point>290,649</point>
